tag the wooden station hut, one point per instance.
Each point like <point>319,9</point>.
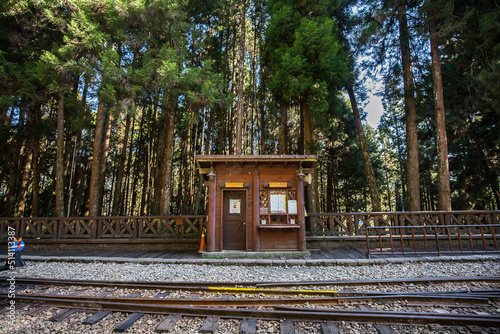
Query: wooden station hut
<point>256,202</point>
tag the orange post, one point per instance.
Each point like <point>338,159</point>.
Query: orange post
<point>203,244</point>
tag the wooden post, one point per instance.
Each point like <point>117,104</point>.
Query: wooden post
<point>256,210</point>
<point>212,210</point>
<point>300,212</point>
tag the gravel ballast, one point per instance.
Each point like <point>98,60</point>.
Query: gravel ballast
<point>241,273</point>
<point>212,271</point>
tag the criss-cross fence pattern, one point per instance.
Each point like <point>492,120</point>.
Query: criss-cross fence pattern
<point>147,227</point>
<point>433,239</point>
<point>356,224</point>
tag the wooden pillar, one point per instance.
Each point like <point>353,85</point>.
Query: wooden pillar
<point>300,212</point>
<point>256,210</point>
<point>212,210</point>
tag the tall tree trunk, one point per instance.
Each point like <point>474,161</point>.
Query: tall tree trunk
<point>181,190</point>
<point>166,172</point>
<point>263,128</point>
<point>254,95</point>
<point>412,163</point>
<point>308,126</point>
<point>121,168</point>
<point>96,162</point>
<point>283,137</point>
<point>35,147</point>
<point>370,176</point>
<point>104,160</point>
<point>187,191</point>
<point>301,141</point>
<point>22,192</point>
<point>241,81</point>
<point>80,184</point>
<point>232,116</point>
<point>444,192</point>
<point>208,142</point>
<point>203,131</point>
<point>135,181</point>
<point>329,185</point>
<point>143,152</point>
<point>160,151</point>
<point>59,208</point>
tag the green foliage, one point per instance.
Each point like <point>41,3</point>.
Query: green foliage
<point>143,58</point>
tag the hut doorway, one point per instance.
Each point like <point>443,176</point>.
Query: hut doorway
<point>234,220</point>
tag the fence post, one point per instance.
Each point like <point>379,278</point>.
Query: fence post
<point>368,244</point>
<point>311,225</point>
<point>179,224</point>
<point>59,228</point>
<point>98,228</point>
<point>54,230</point>
<point>484,241</point>
<point>492,229</point>
<point>437,241</point>
<point>136,228</point>
<point>350,224</point>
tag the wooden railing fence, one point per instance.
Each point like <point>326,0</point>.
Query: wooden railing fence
<point>355,224</point>
<point>145,227</point>
<point>433,239</point>
<point>379,229</point>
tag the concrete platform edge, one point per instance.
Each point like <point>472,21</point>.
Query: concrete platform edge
<point>261,262</point>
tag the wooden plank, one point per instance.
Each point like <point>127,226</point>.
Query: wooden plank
<point>475,329</point>
<point>96,317</point>
<point>103,294</point>
<point>436,327</point>
<point>74,293</point>
<point>384,329</point>
<point>330,327</point>
<point>248,326</point>
<point>209,325</point>
<point>133,295</point>
<point>36,310</point>
<point>162,295</point>
<point>66,313</point>
<point>287,327</point>
<point>168,323</point>
<point>63,315</point>
<point>128,322</point>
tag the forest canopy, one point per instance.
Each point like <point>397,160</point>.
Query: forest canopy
<point>104,104</point>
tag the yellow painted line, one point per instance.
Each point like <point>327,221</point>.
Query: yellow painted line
<point>256,290</point>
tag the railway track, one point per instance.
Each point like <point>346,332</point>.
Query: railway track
<point>472,303</point>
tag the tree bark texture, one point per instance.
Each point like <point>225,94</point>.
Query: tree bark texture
<point>241,81</point>
<point>166,171</point>
<point>22,192</point>
<point>370,175</point>
<point>104,160</point>
<point>121,168</point>
<point>283,132</point>
<point>444,192</point>
<point>412,162</point>
<point>96,162</point>
<point>59,208</point>
<point>35,147</point>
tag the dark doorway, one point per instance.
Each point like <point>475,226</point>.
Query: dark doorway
<point>234,220</point>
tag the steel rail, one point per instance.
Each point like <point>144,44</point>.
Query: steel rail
<point>258,302</point>
<point>294,313</point>
<point>419,280</point>
<point>159,285</point>
<point>207,289</point>
<point>327,311</point>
